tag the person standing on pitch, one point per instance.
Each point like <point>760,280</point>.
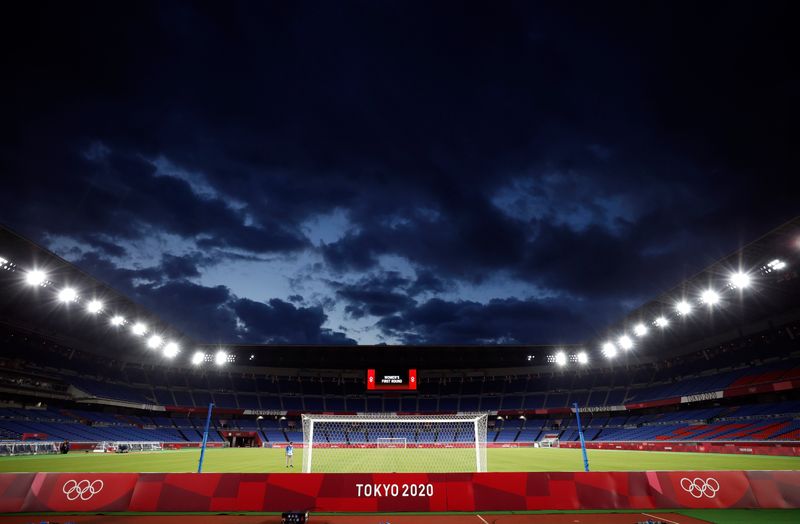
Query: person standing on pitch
<point>290,455</point>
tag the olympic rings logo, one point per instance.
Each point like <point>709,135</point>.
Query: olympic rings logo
<point>699,488</point>
<point>83,489</point>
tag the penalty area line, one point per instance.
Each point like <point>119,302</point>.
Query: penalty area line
<point>482,519</point>
<point>662,519</point>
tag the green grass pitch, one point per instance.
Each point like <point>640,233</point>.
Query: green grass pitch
<point>257,460</point>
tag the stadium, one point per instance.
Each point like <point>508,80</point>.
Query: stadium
<point>687,410</point>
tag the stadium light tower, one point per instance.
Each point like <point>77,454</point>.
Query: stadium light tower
<point>67,295</point>
<point>709,297</point>
<point>640,330</point>
<point>625,342</point>
<point>683,308</point>
<point>139,329</point>
<point>740,280</point>
<point>154,342</point>
<point>661,322</point>
<point>609,350</point>
<point>171,349</point>
<point>35,277</point>
<point>94,307</point>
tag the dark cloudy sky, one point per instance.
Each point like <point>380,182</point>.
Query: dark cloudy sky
<point>419,172</point>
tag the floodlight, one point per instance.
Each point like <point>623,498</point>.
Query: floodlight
<point>139,329</point>
<point>35,277</point>
<point>154,342</point>
<point>68,295</point>
<point>198,358</point>
<point>171,349</point>
<point>640,330</point>
<point>683,308</point>
<point>117,320</point>
<point>583,358</point>
<point>220,358</point>
<point>609,350</point>
<point>661,322</point>
<point>740,280</point>
<point>561,358</point>
<point>710,297</point>
<point>94,307</point>
<point>777,264</point>
<point>625,342</point>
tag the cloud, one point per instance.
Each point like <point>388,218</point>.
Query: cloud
<point>279,322</point>
<point>378,295</point>
<point>212,313</point>
<point>584,151</point>
<point>514,321</point>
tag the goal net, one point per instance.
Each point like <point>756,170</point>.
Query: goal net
<point>549,441</point>
<point>391,442</point>
<point>15,447</point>
<point>376,443</point>
<point>107,446</point>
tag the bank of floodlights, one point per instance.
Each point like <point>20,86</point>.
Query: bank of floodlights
<point>94,307</point>
<point>583,358</point>
<point>625,342</point>
<point>67,295</point>
<point>609,350</point>
<point>739,280</point>
<point>683,308</point>
<point>117,320</point>
<point>709,297</point>
<point>171,349</point>
<point>221,358</point>
<point>7,264</point>
<point>139,329</point>
<point>154,342</point>
<point>661,322</point>
<point>36,277</point>
<point>640,330</point>
<point>198,358</point>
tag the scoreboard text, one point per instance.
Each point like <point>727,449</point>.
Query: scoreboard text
<point>391,380</point>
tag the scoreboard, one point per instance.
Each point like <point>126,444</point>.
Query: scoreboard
<point>391,380</point>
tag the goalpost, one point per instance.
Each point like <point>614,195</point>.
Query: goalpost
<point>391,442</point>
<point>549,441</point>
<point>374,443</point>
<point>118,446</point>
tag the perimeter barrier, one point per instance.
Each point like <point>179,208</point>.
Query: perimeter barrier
<point>396,492</point>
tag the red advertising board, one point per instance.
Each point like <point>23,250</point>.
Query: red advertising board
<point>403,492</point>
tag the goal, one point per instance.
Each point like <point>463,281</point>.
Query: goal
<point>391,442</point>
<point>549,441</point>
<point>381,443</point>
<point>107,446</point>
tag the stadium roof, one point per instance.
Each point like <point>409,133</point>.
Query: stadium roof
<point>774,294</point>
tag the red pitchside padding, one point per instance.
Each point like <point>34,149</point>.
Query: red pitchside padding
<point>386,492</point>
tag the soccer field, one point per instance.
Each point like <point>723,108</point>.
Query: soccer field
<point>257,460</point>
